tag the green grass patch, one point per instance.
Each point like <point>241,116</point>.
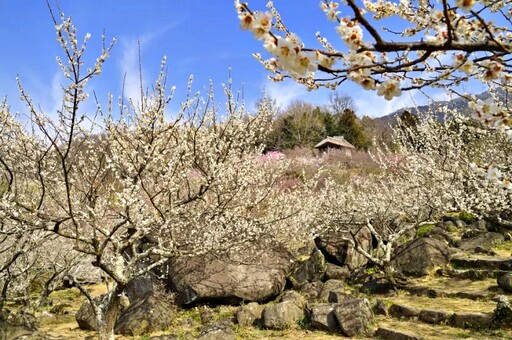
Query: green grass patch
<point>466,217</point>
<point>424,229</point>
<point>503,249</point>
<point>66,294</point>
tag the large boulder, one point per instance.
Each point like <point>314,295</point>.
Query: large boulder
<point>152,313</point>
<point>140,286</point>
<point>355,317</point>
<point>338,249</point>
<point>323,317</point>
<point>310,270</point>
<point>419,256</point>
<point>281,315</point>
<point>484,240</point>
<point>85,317</point>
<point>332,288</point>
<point>256,273</point>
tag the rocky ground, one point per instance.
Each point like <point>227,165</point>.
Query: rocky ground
<point>457,284</point>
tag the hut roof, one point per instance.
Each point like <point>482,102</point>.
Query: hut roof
<point>335,140</point>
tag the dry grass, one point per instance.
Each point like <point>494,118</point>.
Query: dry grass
<point>504,249</point>
<point>438,332</point>
<point>453,285</point>
<point>445,304</point>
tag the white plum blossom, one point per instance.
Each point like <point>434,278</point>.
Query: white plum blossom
<point>390,88</point>
<point>475,32</point>
<point>330,10</point>
<point>465,5</point>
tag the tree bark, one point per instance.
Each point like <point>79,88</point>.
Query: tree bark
<point>107,312</point>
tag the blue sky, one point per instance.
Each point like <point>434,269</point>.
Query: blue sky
<point>202,38</point>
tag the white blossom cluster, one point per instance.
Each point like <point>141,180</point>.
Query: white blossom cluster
<point>128,191</point>
<point>475,34</point>
<point>432,173</point>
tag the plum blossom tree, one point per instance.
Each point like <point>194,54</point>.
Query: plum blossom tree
<point>444,43</point>
<point>128,190</point>
<point>432,173</point>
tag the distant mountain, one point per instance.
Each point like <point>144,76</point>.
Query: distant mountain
<point>460,104</point>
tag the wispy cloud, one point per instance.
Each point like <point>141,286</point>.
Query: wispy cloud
<point>369,103</point>
<point>131,73</point>
<point>286,92</point>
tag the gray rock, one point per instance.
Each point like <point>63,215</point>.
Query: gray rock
<point>84,273</point>
<point>502,316</point>
<point>311,290</point>
<point>434,316</point>
<point>484,240</point>
<point>482,250</point>
<point>217,331</point>
<point>380,308</point>
<point>62,309</point>
<point>85,317</point>
<point>380,286</point>
<point>151,313</point>
<point>441,235</point>
<point>165,337</point>
<point>331,287</point>
<point>472,320</point>
<point>17,325</point>
<point>281,315</point>
<point>335,297</point>
<point>255,274</point>
<point>310,270</point>
<point>293,297</point>
<point>140,286</point>
<point>391,334</point>
<point>336,272</point>
<point>505,281</point>
<point>342,251</point>
<point>355,316</point>
<point>418,257</point>
<point>323,317</point>
<point>401,311</point>
<point>450,226</point>
<point>479,225</point>
<point>247,315</point>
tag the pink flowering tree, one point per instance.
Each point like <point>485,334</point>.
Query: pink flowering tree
<point>444,44</point>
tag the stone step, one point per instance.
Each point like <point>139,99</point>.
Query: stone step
<point>436,292</point>
<point>474,320</point>
<point>393,334</point>
<point>462,260</point>
<point>470,274</point>
<point>428,331</point>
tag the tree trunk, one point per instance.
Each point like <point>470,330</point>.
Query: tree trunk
<point>107,312</point>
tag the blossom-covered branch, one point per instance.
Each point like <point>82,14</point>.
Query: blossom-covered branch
<point>476,36</point>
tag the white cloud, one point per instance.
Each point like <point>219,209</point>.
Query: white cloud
<point>369,103</point>
<point>129,61</point>
<point>287,91</point>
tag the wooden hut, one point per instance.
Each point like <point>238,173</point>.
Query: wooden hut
<point>336,143</point>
